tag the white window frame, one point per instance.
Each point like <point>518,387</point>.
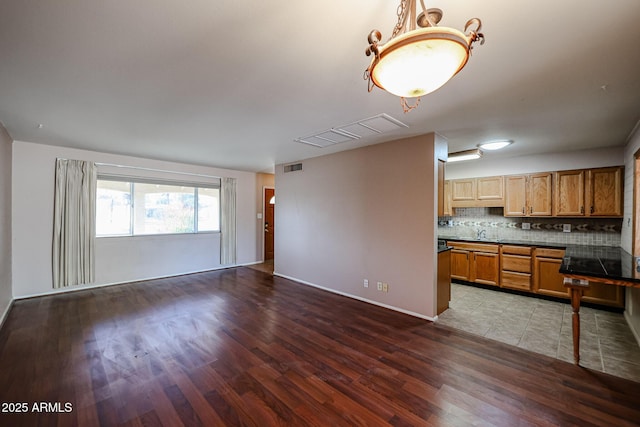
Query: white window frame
<point>153,181</point>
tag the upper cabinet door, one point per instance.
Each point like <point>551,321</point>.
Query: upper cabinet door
<point>490,188</point>
<point>540,191</point>
<point>515,200</point>
<point>604,192</point>
<point>463,190</point>
<point>569,193</point>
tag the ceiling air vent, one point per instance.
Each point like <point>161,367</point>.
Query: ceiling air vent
<point>293,167</point>
<point>372,126</point>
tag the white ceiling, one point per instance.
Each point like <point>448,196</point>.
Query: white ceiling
<point>232,84</point>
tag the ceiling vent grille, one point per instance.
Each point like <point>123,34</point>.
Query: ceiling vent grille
<point>372,126</point>
<point>293,167</point>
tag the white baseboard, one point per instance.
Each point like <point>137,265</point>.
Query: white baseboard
<point>636,334</point>
<point>6,312</point>
<point>359,298</point>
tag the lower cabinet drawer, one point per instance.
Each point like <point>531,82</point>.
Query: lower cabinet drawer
<point>517,263</point>
<point>513,280</point>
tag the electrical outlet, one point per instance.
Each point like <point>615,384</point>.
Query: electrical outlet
<point>566,228</point>
<point>526,226</point>
<point>379,286</point>
<point>385,287</point>
<point>365,283</point>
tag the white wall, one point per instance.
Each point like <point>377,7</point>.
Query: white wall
<point>117,259</point>
<point>632,312</point>
<point>364,213</point>
<point>5,222</point>
<point>490,166</point>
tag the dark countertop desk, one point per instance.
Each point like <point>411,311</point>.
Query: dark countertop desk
<point>584,264</point>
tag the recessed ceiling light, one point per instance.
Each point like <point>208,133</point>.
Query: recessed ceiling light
<point>495,145</point>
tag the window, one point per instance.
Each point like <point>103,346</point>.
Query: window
<point>132,208</point>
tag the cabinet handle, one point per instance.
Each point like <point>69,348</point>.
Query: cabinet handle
<point>591,209</point>
<point>581,209</point>
<point>531,209</point>
<point>523,210</point>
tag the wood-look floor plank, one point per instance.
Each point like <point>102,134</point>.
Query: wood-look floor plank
<point>241,347</point>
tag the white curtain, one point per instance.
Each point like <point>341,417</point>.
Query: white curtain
<point>74,223</point>
<point>228,222</point>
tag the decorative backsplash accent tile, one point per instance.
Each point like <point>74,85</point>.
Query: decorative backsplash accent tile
<point>468,222</point>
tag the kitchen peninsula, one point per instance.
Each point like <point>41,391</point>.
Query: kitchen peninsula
<point>583,266</point>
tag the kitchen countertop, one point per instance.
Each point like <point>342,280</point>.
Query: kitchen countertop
<point>443,248</point>
<point>600,262</point>
<point>605,262</point>
<point>506,242</point>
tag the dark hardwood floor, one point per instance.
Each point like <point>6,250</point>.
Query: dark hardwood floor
<point>241,347</point>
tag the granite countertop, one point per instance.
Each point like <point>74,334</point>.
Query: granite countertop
<point>506,242</point>
<point>443,248</point>
<point>600,262</point>
<point>592,261</point>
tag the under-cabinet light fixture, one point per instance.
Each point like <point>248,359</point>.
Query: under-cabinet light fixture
<point>460,156</point>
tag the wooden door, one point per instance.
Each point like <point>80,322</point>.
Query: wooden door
<point>269,222</point>
<point>515,201</point>
<point>486,268</point>
<point>540,192</point>
<point>605,192</point>
<point>460,264</point>
<point>569,193</point>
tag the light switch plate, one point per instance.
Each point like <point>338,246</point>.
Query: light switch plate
<point>259,216</point>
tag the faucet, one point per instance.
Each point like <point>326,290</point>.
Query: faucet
<point>482,234</point>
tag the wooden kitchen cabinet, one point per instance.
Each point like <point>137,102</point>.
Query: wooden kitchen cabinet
<point>447,210</point>
<point>515,270</point>
<point>604,191</point>
<point>589,192</point>
<point>600,293</point>
<point>528,195</point>
<point>463,190</point>
<point>477,192</point>
<point>460,264</point>
<point>547,277</point>
<point>485,268</point>
<point>475,262</point>
<point>490,188</point>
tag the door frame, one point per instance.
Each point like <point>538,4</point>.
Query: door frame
<point>264,213</point>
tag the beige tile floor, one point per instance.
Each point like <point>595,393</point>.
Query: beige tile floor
<point>606,342</point>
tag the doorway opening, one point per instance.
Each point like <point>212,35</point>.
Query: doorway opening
<point>269,201</point>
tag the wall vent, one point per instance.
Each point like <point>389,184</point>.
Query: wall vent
<point>382,123</point>
<point>293,167</point>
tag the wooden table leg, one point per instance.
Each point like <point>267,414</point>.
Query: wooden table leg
<point>576,290</point>
<point>576,295</point>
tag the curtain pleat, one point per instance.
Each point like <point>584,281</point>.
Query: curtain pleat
<point>228,222</point>
<point>74,223</point>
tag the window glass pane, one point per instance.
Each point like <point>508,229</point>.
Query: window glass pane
<point>160,209</point>
<point>208,209</point>
<point>113,208</point>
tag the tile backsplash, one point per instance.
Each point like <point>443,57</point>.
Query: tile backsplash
<point>467,222</point>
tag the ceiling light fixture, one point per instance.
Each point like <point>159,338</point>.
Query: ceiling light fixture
<point>495,145</point>
<point>417,61</point>
<point>459,156</point>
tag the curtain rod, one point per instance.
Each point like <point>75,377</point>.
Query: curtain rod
<point>152,169</point>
